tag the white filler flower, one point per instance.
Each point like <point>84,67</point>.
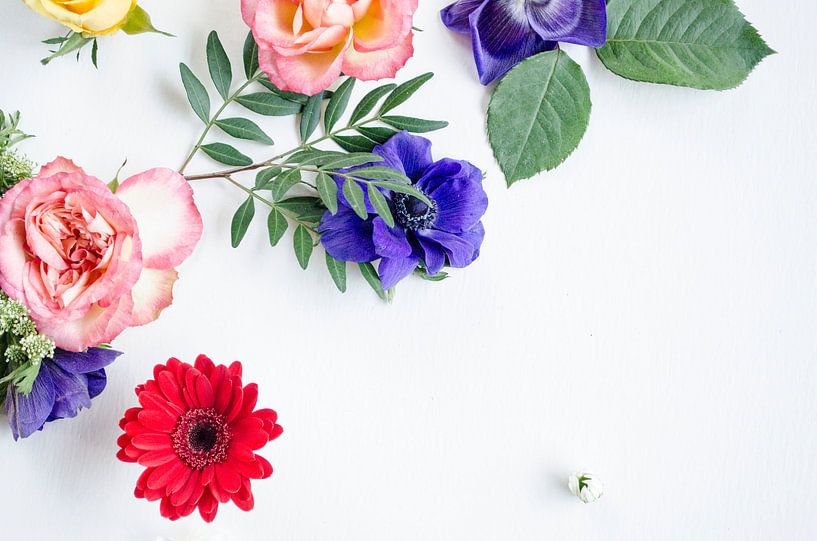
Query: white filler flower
<point>585,486</point>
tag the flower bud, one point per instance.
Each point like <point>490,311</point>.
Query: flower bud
<point>585,486</point>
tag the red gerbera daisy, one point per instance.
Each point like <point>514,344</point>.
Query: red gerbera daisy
<point>195,435</point>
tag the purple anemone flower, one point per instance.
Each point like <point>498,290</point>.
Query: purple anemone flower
<point>64,385</point>
<point>447,232</point>
<point>505,32</point>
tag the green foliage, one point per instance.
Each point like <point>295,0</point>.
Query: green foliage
<point>535,127</point>
<point>14,167</point>
<point>705,44</point>
<point>280,182</point>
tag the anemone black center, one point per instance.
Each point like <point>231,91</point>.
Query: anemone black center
<point>202,437</point>
<point>412,213</point>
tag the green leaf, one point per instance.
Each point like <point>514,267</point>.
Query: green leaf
<point>302,242</point>
<point>74,42</point>
<point>226,154</point>
<point>337,270</point>
<point>354,196</point>
<point>423,273</point>
<point>241,221</point>
<point>381,206</point>
<point>354,143</point>
<point>337,105</point>
<point>287,95</point>
<point>379,172</point>
<point>250,56</point>
<point>276,226</point>
<point>219,64</point>
<point>139,22</point>
<point>353,159</point>
<point>265,176</point>
<point>414,125</point>
<point>95,53</point>
<point>370,274</point>
<point>268,104</point>
<point>369,101</point>
<point>311,116</point>
<point>241,128</point>
<point>196,93</point>
<point>377,134</point>
<point>308,209</point>
<point>284,182</point>
<point>404,92</point>
<point>538,114</point>
<point>705,44</point>
<point>328,190</point>
<point>398,187</point>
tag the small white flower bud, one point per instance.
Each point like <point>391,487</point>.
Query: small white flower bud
<point>585,486</point>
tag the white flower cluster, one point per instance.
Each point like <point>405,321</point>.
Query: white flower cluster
<point>13,168</point>
<point>23,343</point>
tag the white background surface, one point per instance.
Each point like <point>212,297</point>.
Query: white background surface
<point>648,311</point>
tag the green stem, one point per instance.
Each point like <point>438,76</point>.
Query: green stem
<point>215,117</point>
<point>272,161</point>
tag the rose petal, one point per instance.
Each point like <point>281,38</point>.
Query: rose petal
<point>380,64</point>
<point>60,165</point>
<point>169,223</point>
<point>152,294</point>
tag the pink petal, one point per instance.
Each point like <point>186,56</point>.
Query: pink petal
<point>100,325</point>
<point>60,165</point>
<point>307,73</point>
<point>13,261</point>
<point>371,66</point>
<point>248,8</point>
<point>273,23</point>
<point>169,223</point>
<point>152,294</point>
<point>385,24</point>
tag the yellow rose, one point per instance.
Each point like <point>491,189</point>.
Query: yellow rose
<point>89,17</point>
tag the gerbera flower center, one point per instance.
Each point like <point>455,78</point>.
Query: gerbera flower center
<point>412,213</point>
<point>202,437</point>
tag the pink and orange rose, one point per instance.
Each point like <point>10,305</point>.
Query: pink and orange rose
<point>304,45</point>
<point>89,263</point>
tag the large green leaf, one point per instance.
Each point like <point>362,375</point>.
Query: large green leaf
<point>538,114</point>
<point>241,221</point>
<point>250,56</point>
<point>196,93</point>
<point>219,64</point>
<point>265,103</point>
<point>242,128</point>
<point>226,154</point>
<point>302,243</point>
<point>337,269</point>
<point>705,44</point>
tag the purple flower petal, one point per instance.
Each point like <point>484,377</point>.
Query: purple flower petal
<point>409,154</point>
<point>433,255</point>
<point>502,37</point>
<point>456,187</point>
<point>86,361</point>
<point>389,242</point>
<point>460,250</point>
<point>392,270</point>
<point>573,21</point>
<point>455,16</point>
<point>346,237</point>
<point>96,382</point>
<point>27,414</point>
<point>71,392</point>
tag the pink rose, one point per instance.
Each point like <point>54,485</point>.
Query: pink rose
<point>88,263</point>
<point>304,45</point>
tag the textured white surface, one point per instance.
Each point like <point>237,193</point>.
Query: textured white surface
<point>648,311</point>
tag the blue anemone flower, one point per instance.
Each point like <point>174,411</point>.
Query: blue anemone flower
<point>505,32</point>
<point>66,383</point>
<point>447,232</point>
